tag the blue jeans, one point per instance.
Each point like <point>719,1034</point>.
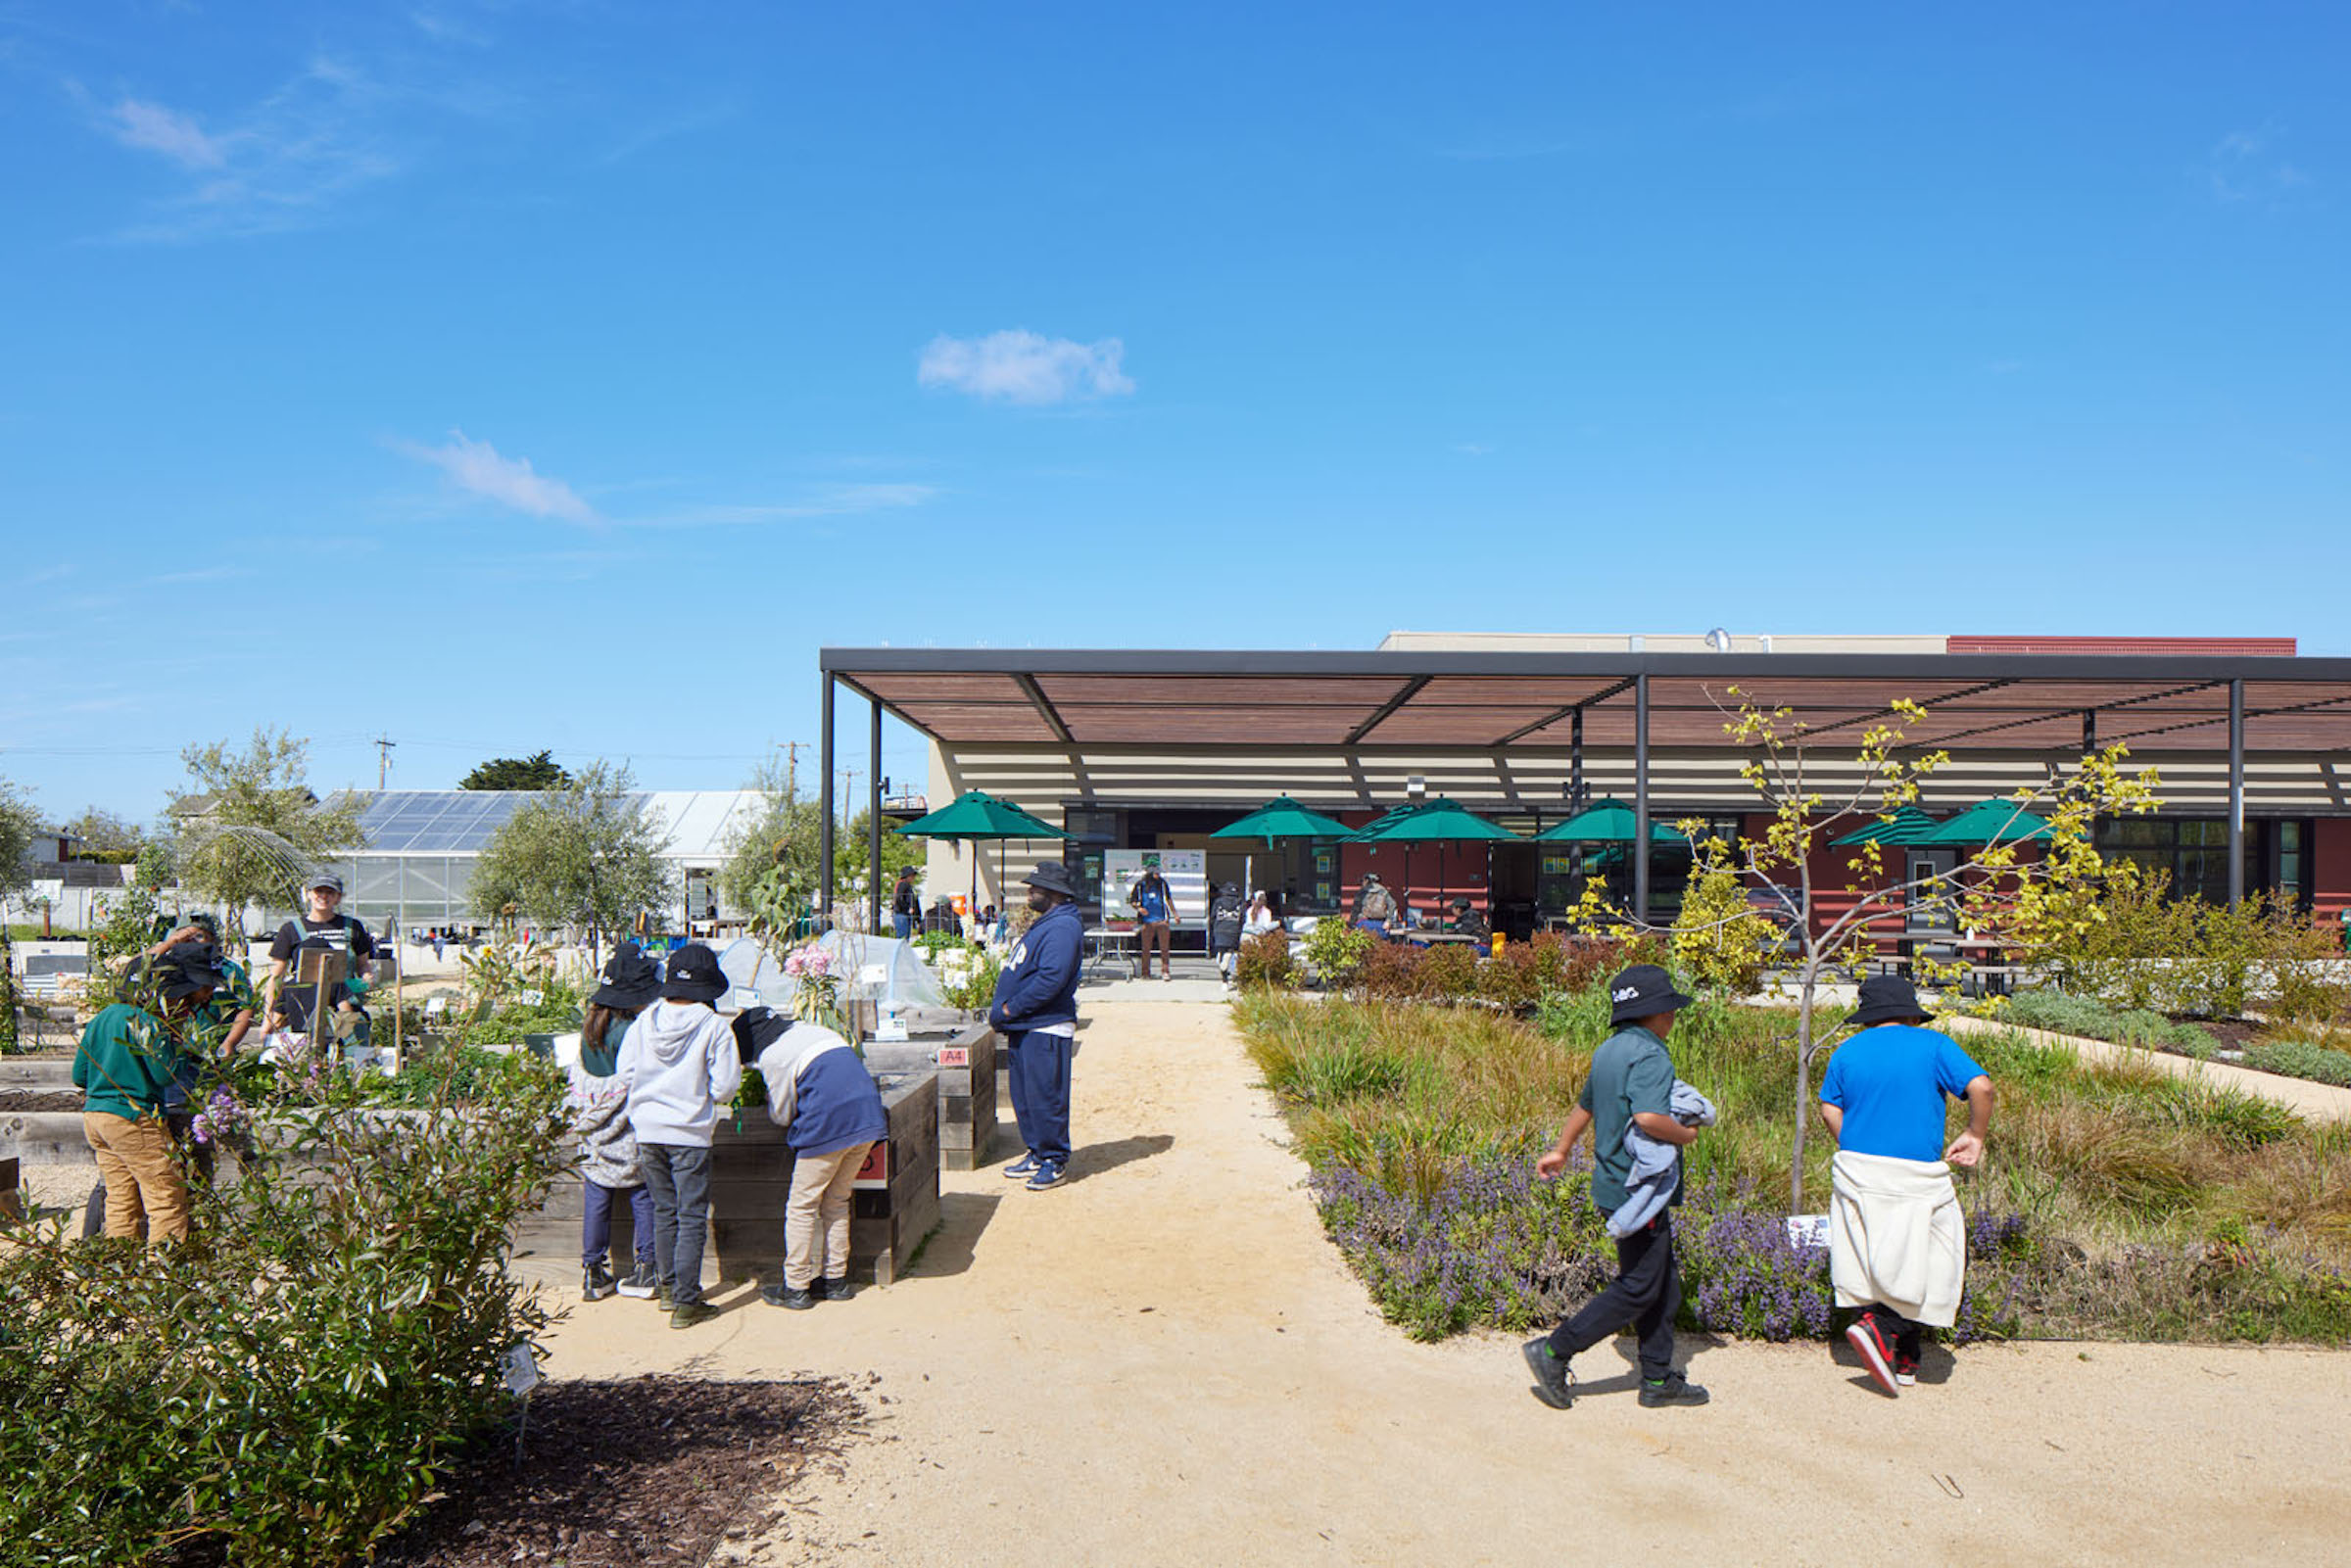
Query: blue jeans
<point>678,1176</point>
<point>596,1224</point>
<point>1039,1071</point>
<point>903,925</point>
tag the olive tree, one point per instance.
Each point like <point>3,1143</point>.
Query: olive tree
<point>588,856</point>
<point>254,829</point>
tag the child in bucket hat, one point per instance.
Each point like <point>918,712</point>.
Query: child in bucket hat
<point>1630,1086</point>
<point>611,1166</point>
<point>682,1065</point>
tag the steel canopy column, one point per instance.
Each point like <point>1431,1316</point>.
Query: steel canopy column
<point>1575,761</point>
<point>1641,799</point>
<point>2236,792</point>
<point>824,805</point>
<point>873,830</point>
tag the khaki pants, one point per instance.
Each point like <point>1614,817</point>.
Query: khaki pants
<point>816,1217</point>
<point>142,1179</point>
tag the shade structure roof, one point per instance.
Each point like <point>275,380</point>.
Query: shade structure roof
<point>1283,818</point>
<point>1910,826</point>
<point>977,815</point>
<point>1495,700</point>
<point>1436,821</point>
<point>1990,822</point>
<point>1607,822</point>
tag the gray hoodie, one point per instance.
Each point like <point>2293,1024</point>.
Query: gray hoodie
<point>1650,1185</point>
<point>682,1065</point>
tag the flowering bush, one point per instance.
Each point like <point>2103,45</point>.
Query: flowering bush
<point>816,993</point>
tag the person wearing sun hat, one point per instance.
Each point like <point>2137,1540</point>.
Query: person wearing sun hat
<point>1035,1011</point>
<point>126,1066</point>
<point>681,1064</point>
<point>1630,1085</point>
<point>598,1097</point>
<point>1897,1240</point>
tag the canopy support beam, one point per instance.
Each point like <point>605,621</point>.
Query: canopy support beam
<point>2236,791</point>
<point>824,804</point>
<point>1045,709</point>
<point>873,830</point>
<point>1569,711</point>
<point>1576,787</point>
<point>1403,693</point>
<point>1641,843</point>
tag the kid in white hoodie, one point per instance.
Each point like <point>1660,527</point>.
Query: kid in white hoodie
<point>680,1065</point>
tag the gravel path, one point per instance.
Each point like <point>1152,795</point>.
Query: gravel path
<point>1165,1362</point>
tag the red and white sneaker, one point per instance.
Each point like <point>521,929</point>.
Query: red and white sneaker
<point>1876,1355</point>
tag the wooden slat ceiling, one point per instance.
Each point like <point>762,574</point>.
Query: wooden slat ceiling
<point>1476,711</point>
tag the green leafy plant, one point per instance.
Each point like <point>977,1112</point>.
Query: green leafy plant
<point>977,988</point>
<point>2299,1059</point>
<point>2096,1019</point>
<point>287,1388</point>
<point>1335,950</point>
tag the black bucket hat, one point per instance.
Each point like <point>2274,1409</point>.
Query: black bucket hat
<point>1641,991</point>
<point>187,968</point>
<point>755,1030</point>
<point>693,976</point>
<point>1054,877</point>
<point>631,980</point>
<point>1885,998</point>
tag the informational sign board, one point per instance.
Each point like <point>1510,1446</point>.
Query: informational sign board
<point>1808,1230</point>
<point>1186,872</point>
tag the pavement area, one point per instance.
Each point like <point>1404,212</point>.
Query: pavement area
<point>1165,1362</point>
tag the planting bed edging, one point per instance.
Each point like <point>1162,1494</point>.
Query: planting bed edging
<point>2318,1101</point>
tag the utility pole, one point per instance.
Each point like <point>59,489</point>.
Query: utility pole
<point>383,759</point>
<point>792,763</point>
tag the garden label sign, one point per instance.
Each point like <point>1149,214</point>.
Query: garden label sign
<point>1186,872</point>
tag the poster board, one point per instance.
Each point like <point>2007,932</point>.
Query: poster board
<point>1186,872</point>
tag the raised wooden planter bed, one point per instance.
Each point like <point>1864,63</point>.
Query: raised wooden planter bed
<point>895,1207</point>
<point>966,1064</point>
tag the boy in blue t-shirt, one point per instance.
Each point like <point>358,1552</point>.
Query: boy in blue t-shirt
<point>1885,1094</point>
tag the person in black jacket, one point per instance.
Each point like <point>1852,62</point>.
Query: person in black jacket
<point>1225,928</point>
<point>905,904</point>
<point>1035,1011</point>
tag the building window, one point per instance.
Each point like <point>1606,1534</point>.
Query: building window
<point>2193,852</point>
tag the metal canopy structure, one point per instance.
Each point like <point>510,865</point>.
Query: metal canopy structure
<point>1528,702</point>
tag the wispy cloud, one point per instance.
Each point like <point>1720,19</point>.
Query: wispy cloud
<point>200,574</point>
<point>157,130</point>
<point>480,469</point>
<point>1476,448</point>
<point>1026,367</point>
<point>830,501</point>
<point>2244,167</point>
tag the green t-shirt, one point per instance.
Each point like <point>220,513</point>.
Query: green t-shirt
<point>125,1062</point>
<point>1631,1073</point>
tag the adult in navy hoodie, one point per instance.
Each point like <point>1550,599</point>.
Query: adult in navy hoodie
<point>1035,1011</point>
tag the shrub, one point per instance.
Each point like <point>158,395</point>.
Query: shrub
<point>1264,960</point>
<point>2094,1019</point>
<point>1516,976</point>
<point>287,1388</point>
<point>1390,971</point>
<point>2299,1059</point>
<point>1335,949</point>
<point>2149,951</point>
<point>977,988</point>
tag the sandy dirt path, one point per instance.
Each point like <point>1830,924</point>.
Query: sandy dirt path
<point>1164,1361</point>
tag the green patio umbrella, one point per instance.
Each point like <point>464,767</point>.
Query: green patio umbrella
<point>1277,821</point>
<point>1607,822</point>
<point>979,817</point>
<point>1441,821</point>
<point>1986,820</point>
<point>1910,826</point>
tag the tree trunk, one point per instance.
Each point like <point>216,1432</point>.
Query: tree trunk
<point>1803,1059</point>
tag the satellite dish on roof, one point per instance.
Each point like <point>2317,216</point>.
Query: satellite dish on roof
<point>1720,640</point>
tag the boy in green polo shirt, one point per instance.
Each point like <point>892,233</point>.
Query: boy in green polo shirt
<point>1631,1085</point>
<point>126,1067</point>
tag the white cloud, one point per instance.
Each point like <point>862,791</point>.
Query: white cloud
<point>480,469</point>
<point>830,500</point>
<point>2242,168</point>
<point>1025,367</point>
<point>175,135</point>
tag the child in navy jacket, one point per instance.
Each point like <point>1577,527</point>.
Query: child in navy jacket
<point>820,1094</point>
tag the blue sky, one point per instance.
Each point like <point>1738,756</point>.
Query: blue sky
<point>508,375</point>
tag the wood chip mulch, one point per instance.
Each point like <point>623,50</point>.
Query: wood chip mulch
<point>647,1470</point>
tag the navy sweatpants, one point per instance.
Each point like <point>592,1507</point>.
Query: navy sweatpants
<point>1039,1071</point>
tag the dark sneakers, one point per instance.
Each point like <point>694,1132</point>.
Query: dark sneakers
<point>596,1283</point>
<point>1674,1390</point>
<point>1877,1354</point>
<point>1554,1385</point>
<point>687,1313</point>
<point>791,1295</point>
<point>640,1283</point>
<point>832,1289</point>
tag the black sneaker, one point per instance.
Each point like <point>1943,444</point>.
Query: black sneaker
<point>687,1313</point>
<point>596,1283</point>
<point>1555,1384</point>
<point>791,1296</point>
<point>1674,1390</point>
<point>640,1283</point>
<point>832,1289</point>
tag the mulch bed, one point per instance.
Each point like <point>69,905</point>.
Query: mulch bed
<point>649,1470</point>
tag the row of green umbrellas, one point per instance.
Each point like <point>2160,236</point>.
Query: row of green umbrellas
<point>979,817</point>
